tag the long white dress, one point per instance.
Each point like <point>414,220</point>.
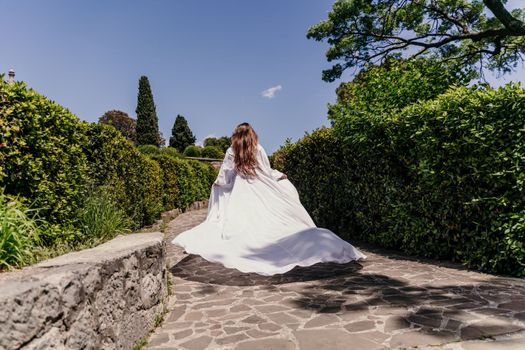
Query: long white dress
<point>259,225</point>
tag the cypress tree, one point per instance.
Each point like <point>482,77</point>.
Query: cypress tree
<point>147,121</point>
<point>181,134</point>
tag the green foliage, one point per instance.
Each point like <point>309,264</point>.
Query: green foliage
<point>181,134</point>
<point>193,151</point>
<point>41,155</point>
<point>205,174</point>
<point>438,178</point>
<point>18,233</point>
<point>123,171</point>
<point>390,87</point>
<point>151,177</point>
<point>122,122</point>
<point>212,152</point>
<point>148,149</point>
<point>147,130</point>
<point>170,151</point>
<point>170,189</point>
<point>462,33</point>
<point>101,218</point>
<point>223,142</point>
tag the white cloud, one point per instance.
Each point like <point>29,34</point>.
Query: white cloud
<point>270,92</point>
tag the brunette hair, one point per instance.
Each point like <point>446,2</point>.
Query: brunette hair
<point>244,144</point>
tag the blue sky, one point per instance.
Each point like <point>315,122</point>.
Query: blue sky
<point>208,60</point>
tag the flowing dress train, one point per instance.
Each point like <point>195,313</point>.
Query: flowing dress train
<point>259,225</point>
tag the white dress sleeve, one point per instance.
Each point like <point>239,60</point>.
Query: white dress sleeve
<point>264,164</point>
<point>227,170</point>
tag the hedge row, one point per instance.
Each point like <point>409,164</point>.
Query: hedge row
<point>53,160</point>
<point>442,178</point>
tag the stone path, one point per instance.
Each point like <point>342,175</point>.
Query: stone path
<point>385,302</point>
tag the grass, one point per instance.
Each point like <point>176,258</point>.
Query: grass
<point>25,239</point>
<point>18,233</point>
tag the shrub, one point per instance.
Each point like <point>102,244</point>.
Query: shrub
<point>170,151</point>
<point>151,190</point>
<point>212,152</point>
<point>41,155</point>
<point>117,165</point>
<point>148,149</point>
<point>193,151</point>
<point>202,179</point>
<point>18,233</point>
<point>441,178</point>
<point>170,189</point>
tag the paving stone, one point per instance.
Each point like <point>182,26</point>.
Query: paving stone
<point>281,318</point>
<point>489,327</point>
<point>193,316</point>
<point>394,323</point>
<point>159,339</point>
<point>199,343</point>
<point>231,339</point>
<point>419,338</point>
<point>176,313</point>
<point>182,334</point>
<point>255,333</point>
<point>239,308</point>
<point>330,339</point>
<point>360,326</point>
<point>266,344</point>
<point>272,327</point>
<point>232,330</point>
<point>253,319</point>
<point>506,344</point>
<point>270,308</point>
<point>321,320</point>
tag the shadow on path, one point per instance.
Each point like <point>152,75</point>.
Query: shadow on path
<point>194,268</point>
<point>431,304</point>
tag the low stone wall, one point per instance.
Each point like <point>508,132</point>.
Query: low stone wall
<point>106,297</point>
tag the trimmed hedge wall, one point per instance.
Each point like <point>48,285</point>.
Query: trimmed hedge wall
<point>54,160</point>
<point>41,155</point>
<point>442,178</point>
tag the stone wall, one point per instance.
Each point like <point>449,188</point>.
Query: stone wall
<point>106,297</point>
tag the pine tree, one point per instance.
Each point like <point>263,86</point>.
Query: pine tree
<point>147,121</point>
<point>181,135</point>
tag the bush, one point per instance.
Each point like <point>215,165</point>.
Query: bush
<point>170,151</point>
<point>170,189</point>
<point>151,190</point>
<point>193,151</point>
<point>118,167</point>
<point>204,177</point>
<point>212,152</point>
<point>441,178</point>
<point>41,155</point>
<point>18,233</point>
<point>148,149</point>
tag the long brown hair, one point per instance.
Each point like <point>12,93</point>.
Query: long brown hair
<point>244,144</point>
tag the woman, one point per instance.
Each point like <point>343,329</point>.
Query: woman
<point>256,222</point>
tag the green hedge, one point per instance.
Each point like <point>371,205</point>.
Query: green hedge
<point>53,161</point>
<point>442,178</point>
<point>41,155</point>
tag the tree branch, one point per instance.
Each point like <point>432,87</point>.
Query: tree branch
<point>510,22</point>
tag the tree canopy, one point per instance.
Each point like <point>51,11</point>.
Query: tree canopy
<point>147,120</point>
<point>473,34</point>
<point>122,122</point>
<point>181,134</point>
<point>223,143</point>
